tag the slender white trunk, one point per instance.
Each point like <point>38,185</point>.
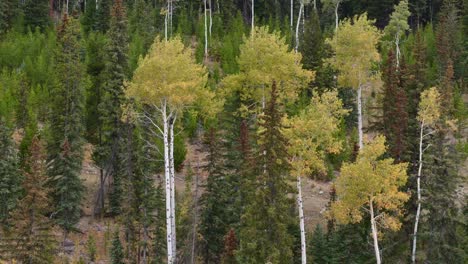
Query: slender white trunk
<point>211,18</point>
<point>172,172</point>
<point>359,106</point>
<point>418,180</point>
<point>297,26</point>
<point>206,33</point>
<point>167,176</point>
<point>292,14</point>
<point>374,233</point>
<point>336,14</point>
<point>67,7</point>
<point>398,53</point>
<point>166,21</point>
<point>300,206</point>
<point>315,5</point>
<point>253,15</point>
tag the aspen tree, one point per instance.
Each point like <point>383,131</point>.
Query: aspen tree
<point>311,136</point>
<point>355,47</point>
<point>371,185</point>
<point>263,59</point>
<point>336,5</point>
<point>428,115</point>
<point>398,25</point>
<point>168,79</point>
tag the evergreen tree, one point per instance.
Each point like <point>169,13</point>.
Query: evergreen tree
<point>66,126</point>
<point>264,235</point>
<point>441,178</point>
<point>36,14</point>
<point>10,177</point>
<point>215,217</point>
<point>117,252</point>
<point>88,19</point>
<point>395,116</point>
<point>32,240</point>
<point>319,246</point>
<point>110,106</point>
<point>103,16</point>
<point>230,246</point>
<point>8,11</point>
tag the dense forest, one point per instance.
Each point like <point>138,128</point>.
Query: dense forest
<point>233,131</point>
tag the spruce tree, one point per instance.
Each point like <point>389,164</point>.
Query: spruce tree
<point>440,184</point>
<point>264,236</point>
<point>215,218</point>
<point>88,19</point>
<point>318,246</point>
<point>10,177</point>
<point>117,251</point>
<point>36,14</point>
<point>32,240</point>
<point>66,126</point>
<point>395,116</point>
<point>8,11</point>
<point>110,107</point>
<point>103,16</point>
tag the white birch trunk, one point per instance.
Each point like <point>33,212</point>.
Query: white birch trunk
<point>167,174</point>
<point>315,5</point>
<point>206,33</point>
<point>359,106</point>
<point>211,19</point>
<point>397,47</point>
<point>418,180</point>
<point>336,14</point>
<point>172,173</point>
<point>300,206</point>
<point>374,234</point>
<point>297,26</point>
<point>253,15</point>
<point>292,14</point>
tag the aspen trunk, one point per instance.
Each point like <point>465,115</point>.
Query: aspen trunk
<point>359,106</point>
<point>211,19</point>
<point>300,206</point>
<point>206,34</point>
<point>398,53</point>
<point>167,174</point>
<point>418,210</point>
<point>336,14</point>
<point>297,26</point>
<point>172,173</point>
<point>292,14</point>
<point>374,234</point>
<point>253,15</point>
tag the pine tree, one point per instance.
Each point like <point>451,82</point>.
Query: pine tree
<point>8,10</point>
<point>10,177</point>
<point>32,240</point>
<point>319,246</point>
<point>230,246</point>
<point>441,181</point>
<point>103,16</point>
<point>264,233</point>
<point>112,100</point>
<point>395,116</point>
<point>66,127</point>
<point>117,252</point>
<point>36,14</point>
<point>215,217</point>
<point>88,19</point>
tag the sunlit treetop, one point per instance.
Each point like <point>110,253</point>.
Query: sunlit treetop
<point>266,57</point>
<point>429,106</point>
<point>355,46</point>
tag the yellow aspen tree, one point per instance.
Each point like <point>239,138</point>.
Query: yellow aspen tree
<point>371,185</point>
<point>355,47</point>
<point>311,136</point>
<point>428,115</point>
<point>266,58</point>
<point>168,80</point>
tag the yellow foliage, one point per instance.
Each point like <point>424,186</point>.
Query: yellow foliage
<point>429,106</point>
<point>265,57</point>
<point>169,73</point>
<point>355,47</point>
<point>371,181</point>
<point>312,134</point>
